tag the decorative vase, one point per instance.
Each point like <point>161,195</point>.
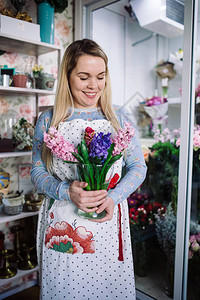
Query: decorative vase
<point>98,177</point>
<point>45,15</point>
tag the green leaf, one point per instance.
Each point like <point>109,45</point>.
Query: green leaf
<point>64,248</point>
<point>78,157</point>
<point>84,151</point>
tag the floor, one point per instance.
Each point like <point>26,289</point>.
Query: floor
<point>30,294</point>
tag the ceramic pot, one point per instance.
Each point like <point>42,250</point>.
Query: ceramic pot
<point>20,80</point>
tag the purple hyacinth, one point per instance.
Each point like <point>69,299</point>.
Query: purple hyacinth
<point>99,146</point>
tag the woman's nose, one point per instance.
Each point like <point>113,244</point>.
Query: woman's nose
<point>92,83</point>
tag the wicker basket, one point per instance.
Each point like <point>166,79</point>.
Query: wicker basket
<point>15,204</point>
<point>12,210</point>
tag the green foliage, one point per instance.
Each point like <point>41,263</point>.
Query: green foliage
<point>166,232</point>
<point>59,5</point>
<point>162,168</point>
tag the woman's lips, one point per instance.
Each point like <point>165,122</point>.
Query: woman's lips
<point>90,95</point>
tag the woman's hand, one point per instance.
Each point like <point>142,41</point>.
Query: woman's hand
<point>108,205</point>
<point>87,201</point>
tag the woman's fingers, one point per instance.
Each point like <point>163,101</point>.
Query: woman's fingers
<point>86,199</point>
<point>108,205</point>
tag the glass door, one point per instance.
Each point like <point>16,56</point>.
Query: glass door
<point>154,61</point>
<point>193,239</point>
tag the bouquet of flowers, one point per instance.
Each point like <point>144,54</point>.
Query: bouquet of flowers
<point>142,214</point>
<point>196,147</point>
<point>94,156</point>
<point>37,70</point>
<point>23,133</point>
<point>156,108</point>
<point>194,246</point>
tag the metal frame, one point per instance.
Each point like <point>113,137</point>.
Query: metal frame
<point>186,151</point>
<point>83,10</point>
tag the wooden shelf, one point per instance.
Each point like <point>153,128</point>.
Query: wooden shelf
<point>12,286</point>
<point>20,273</point>
<point>15,154</point>
<point>6,218</point>
<point>13,91</point>
<point>12,43</point>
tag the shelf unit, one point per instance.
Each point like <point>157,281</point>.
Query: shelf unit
<point>15,154</point>
<point>16,288</point>
<point>6,218</point>
<point>11,43</point>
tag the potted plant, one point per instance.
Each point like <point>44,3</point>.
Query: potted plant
<point>42,80</point>
<point>45,14</point>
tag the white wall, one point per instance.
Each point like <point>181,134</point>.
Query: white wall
<point>132,68</point>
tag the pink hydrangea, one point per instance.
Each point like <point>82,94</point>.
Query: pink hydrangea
<point>196,139</point>
<point>123,138</point>
<point>58,145</point>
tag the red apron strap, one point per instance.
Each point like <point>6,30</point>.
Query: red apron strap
<point>121,256</point>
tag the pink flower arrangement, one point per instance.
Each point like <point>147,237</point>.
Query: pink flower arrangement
<point>123,138</point>
<point>64,150</point>
<point>58,145</point>
<point>196,139</point>
<point>155,101</point>
<point>194,246</point>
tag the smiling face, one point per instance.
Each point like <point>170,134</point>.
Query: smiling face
<point>87,81</point>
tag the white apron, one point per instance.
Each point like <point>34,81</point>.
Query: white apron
<point>80,259</point>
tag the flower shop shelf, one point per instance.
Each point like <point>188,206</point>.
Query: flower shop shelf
<point>24,91</point>
<point>174,100</point>
<point>147,142</point>
<point>12,43</point>
<point>15,154</point>
<point>17,283</point>
<point>8,218</point>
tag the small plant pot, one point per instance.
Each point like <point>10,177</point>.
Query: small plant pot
<point>45,82</point>
<point>20,80</point>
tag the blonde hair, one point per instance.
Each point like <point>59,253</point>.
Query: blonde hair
<point>64,99</point>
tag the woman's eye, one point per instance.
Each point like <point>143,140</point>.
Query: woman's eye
<point>100,78</point>
<point>83,78</point>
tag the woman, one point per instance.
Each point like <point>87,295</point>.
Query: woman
<point>80,258</point>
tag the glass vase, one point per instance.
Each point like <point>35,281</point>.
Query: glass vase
<point>98,177</point>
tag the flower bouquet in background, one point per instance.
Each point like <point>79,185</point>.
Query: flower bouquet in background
<point>142,219</point>
<point>194,247</point>
<point>163,164</point>
<point>196,152</point>
<point>23,133</point>
<point>177,59</point>
<point>194,265</point>
<point>156,108</point>
<point>94,157</point>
